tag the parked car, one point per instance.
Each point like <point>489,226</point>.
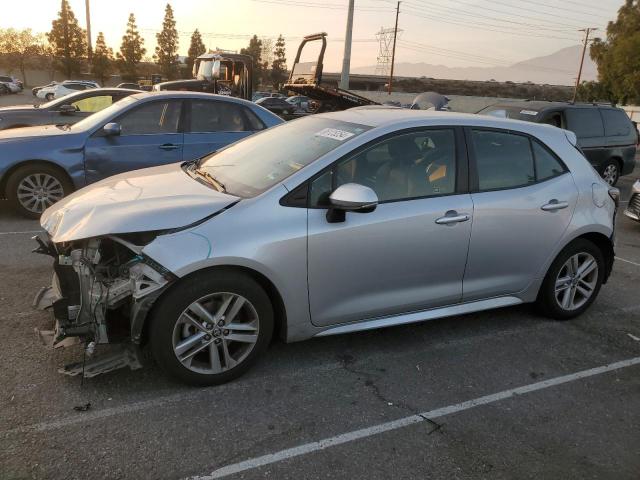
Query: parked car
<point>330,224</point>
<point>129,85</point>
<point>14,85</point>
<point>59,90</point>
<point>41,165</point>
<point>300,102</point>
<point>67,110</point>
<point>605,133</point>
<point>276,105</point>
<point>633,207</point>
<point>35,90</point>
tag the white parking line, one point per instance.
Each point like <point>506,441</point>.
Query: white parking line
<point>628,261</point>
<point>18,233</point>
<point>406,421</point>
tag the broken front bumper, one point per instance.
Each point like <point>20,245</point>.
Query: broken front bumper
<point>101,292</point>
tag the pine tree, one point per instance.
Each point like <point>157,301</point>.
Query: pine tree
<point>196,49</point>
<point>279,65</point>
<point>255,51</point>
<point>102,61</point>
<point>131,51</point>
<point>68,41</point>
<point>166,55</point>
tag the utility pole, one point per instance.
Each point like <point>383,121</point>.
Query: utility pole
<point>346,58</point>
<point>586,31</point>
<point>89,47</point>
<point>393,54</point>
<point>65,29</point>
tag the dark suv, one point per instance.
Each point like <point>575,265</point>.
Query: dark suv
<point>605,133</point>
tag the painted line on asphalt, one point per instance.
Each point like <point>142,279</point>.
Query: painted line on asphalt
<point>165,400</point>
<point>628,261</point>
<point>19,233</point>
<point>354,435</point>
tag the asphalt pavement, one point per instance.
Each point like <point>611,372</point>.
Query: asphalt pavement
<point>500,395</point>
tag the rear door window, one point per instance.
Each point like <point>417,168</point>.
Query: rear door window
<point>208,116</point>
<point>584,122</point>
<point>504,160</point>
<point>616,122</point>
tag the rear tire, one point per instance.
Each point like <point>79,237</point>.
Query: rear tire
<point>224,341</point>
<point>610,172</point>
<point>33,188</point>
<point>572,282</point>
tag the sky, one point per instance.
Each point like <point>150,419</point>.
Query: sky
<point>456,33</point>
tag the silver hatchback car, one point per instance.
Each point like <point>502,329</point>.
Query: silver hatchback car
<point>330,224</point>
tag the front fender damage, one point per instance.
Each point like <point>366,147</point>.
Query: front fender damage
<point>101,292</point>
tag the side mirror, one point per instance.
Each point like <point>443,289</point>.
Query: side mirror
<point>111,129</point>
<point>67,109</point>
<point>350,197</point>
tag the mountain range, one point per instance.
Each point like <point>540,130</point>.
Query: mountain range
<point>558,68</point>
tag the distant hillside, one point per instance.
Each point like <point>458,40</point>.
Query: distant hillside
<point>559,68</point>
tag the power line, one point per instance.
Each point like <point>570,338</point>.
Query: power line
<point>449,12</point>
<point>555,7</point>
<point>498,29</point>
<point>565,25</point>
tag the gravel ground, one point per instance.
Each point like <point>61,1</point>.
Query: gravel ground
<point>142,425</point>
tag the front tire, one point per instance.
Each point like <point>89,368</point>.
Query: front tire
<point>34,188</point>
<point>211,327</point>
<point>48,97</point>
<point>573,281</point>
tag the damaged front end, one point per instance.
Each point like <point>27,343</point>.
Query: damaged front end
<point>101,292</point>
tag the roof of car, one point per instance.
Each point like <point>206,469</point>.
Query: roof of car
<point>380,116</point>
<point>187,94</point>
<point>540,105</point>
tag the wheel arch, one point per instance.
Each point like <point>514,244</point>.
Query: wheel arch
<point>26,163</point>
<point>605,245</point>
<point>279,310</point>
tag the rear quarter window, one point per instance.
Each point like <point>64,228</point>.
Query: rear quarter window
<point>584,122</point>
<point>616,122</point>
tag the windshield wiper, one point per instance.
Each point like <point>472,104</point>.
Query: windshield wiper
<point>216,183</point>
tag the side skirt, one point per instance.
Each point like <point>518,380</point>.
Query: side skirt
<point>405,318</point>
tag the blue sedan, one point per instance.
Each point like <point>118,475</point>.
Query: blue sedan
<point>41,165</point>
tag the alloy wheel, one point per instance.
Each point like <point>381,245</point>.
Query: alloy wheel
<point>576,281</point>
<point>610,174</point>
<point>215,333</point>
<point>38,191</point>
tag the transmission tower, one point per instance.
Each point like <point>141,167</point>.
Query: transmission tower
<point>385,50</point>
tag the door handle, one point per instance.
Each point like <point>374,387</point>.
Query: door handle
<point>452,217</point>
<point>554,205</point>
<point>169,146</point>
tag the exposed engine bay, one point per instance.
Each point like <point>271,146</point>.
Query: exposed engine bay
<point>101,292</point>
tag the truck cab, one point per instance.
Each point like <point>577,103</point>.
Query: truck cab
<point>218,72</point>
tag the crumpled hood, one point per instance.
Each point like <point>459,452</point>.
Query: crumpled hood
<point>157,198</point>
<point>31,132</point>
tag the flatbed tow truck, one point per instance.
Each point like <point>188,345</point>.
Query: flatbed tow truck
<point>306,79</point>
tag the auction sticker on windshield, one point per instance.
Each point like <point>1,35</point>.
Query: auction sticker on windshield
<point>335,134</point>
<point>528,112</point>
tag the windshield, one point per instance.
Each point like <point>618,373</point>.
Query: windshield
<point>513,112</point>
<point>103,115</point>
<point>251,166</point>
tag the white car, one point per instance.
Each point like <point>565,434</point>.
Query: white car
<point>10,84</point>
<point>65,88</point>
